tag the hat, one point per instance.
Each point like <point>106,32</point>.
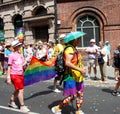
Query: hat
<point>40,42</point>
<point>92,40</point>
<point>16,43</point>
<point>62,36</point>
<point>73,35</point>
<point>107,42</point>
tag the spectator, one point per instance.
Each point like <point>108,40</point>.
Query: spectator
<point>2,56</point>
<point>107,45</point>
<point>28,51</point>
<point>50,49</point>
<point>7,52</point>
<point>116,62</point>
<point>92,58</point>
<point>15,76</point>
<point>41,53</point>
<point>103,66</point>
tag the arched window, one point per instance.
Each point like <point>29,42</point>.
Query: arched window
<point>18,23</point>
<point>2,39</point>
<point>41,11</point>
<point>89,25</point>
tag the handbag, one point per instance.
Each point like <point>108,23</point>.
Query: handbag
<point>100,59</point>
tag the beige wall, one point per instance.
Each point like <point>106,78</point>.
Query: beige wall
<point>25,8</point>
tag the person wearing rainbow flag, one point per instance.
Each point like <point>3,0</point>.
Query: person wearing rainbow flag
<point>73,84</point>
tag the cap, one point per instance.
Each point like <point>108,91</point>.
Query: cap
<point>107,42</point>
<point>92,40</point>
<point>62,36</point>
<point>16,43</point>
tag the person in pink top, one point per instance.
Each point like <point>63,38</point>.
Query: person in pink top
<point>15,76</point>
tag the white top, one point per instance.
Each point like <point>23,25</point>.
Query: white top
<point>104,50</point>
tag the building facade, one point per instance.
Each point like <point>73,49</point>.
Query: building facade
<point>100,19</point>
<point>37,17</point>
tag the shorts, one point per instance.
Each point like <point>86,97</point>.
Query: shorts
<point>18,81</point>
<point>5,64</point>
<point>92,63</point>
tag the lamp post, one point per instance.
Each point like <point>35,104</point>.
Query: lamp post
<point>56,27</point>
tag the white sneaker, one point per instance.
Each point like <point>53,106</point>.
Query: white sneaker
<point>56,90</point>
<point>24,109</point>
<point>56,110</point>
<point>13,105</point>
<point>79,112</point>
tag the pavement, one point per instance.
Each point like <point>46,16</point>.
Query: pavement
<point>40,98</point>
<point>109,74</point>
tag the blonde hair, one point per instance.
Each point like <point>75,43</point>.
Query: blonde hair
<point>118,46</point>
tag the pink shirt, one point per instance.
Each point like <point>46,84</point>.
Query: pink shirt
<point>16,60</point>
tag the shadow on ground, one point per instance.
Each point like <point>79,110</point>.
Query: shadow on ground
<point>38,94</point>
<point>65,110</point>
<point>107,90</point>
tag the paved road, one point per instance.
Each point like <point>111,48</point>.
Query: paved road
<point>40,98</point>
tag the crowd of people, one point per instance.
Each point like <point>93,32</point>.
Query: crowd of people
<point>101,55</point>
<point>16,57</point>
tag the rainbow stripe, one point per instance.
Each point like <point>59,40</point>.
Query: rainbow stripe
<point>20,34</point>
<point>39,71</point>
<point>69,85</point>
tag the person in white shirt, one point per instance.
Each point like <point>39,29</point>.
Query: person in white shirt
<point>92,58</point>
<point>41,53</point>
<point>103,66</point>
<point>50,49</point>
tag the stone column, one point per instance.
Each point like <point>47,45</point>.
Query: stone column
<point>51,30</point>
<point>28,34</point>
<point>8,29</point>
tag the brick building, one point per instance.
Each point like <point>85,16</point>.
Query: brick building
<point>100,19</point>
<point>35,16</point>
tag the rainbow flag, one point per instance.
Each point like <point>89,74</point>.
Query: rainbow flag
<point>20,34</point>
<point>39,71</point>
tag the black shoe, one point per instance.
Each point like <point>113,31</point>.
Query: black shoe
<point>115,93</point>
<point>95,78</point>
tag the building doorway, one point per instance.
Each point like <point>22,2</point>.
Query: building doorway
<point>41,33</point>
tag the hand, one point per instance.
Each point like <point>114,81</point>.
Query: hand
<point>83,71</point>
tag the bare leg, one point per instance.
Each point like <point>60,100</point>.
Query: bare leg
<point>117,86</point>
<point>89,72</point>
<point>14,95</point>
<point>116,74</point>
<point>95,71</point>
<point>20,97</point>
<point>55,84</point>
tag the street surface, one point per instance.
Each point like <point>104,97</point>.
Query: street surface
<point>40,97</point>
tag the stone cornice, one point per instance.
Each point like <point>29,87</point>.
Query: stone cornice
<point>61,1</point>
<point>11,2</point>
<point>37,18</point>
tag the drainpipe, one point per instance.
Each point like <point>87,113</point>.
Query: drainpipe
<point>56,27</point>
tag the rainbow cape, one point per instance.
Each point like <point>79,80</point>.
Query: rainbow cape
<point>39,71</point>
